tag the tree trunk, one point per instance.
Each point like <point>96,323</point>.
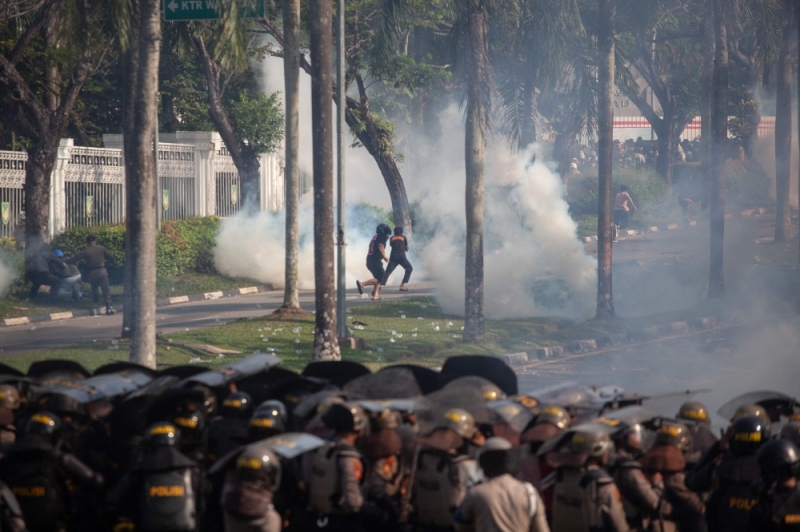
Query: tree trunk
<point>797,27</point>
<point>38,169</point>
<point>528,130</point>
<point>474,158</point>
<point>244,157</point>
<point>326,345</point>
<point>705,105</point>
<point>291,74</point>
<point>141,216</point>
<point>783,130</point>
<point>719,132</point>
<point>666,148</point>
<point>130,70</point>
<point>605,134</point>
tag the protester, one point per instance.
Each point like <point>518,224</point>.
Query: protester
<point>623,203</point>
<point>399,245</point>
<point>375,257</point>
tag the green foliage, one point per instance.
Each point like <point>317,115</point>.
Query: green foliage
<point>746,182</point>
<point>647,189</point>
<point>745,120</point>
<point>259,120</point>
<point>365,217</point>
<point>181,246</point>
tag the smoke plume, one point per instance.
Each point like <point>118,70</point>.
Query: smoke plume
<point>7,276</point>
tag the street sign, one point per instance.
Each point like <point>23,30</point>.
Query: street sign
<point>182,10</point>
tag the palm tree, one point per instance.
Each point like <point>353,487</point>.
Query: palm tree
<point>470,32</point>
<point>326,345</point>
<point>291,74</point>
<point>719,138</point>
<point>705,89</point>
<point>606,71</point>
<point>783,127</point>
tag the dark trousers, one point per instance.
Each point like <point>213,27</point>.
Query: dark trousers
<point>44,278</point>
<point>99,279</point>
<point>394,264</point>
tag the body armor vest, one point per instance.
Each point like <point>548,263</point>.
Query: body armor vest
<point>324,489</point>
<point>441,482</point>
<point>40,495</point>
<point>167,502</point>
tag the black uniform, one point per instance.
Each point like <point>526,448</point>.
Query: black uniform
<point>397,258</point>
<point>732,494</point>
<point>374,257</point>
<point>225,435</point>
<point>96,257</point>
<point>164,492</point>
<point>38,269</point>
<point>777,511</point>
<point>46,482</point>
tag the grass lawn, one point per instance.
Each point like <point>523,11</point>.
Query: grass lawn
<point>15,303</point>
<point>412,331</point>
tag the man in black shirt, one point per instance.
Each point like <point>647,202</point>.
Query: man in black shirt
<point>399,245</point>
<point>375,258</point>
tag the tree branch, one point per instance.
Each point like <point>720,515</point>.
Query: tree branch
<point>48,10</point>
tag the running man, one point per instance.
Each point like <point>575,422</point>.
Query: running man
<point>375,258</point>
<point>622,207</point>
<point>399,245</point>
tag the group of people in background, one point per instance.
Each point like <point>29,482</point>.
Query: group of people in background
<point>377,255</point>
<point>634,154</point>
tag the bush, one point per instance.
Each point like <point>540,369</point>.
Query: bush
<point>181,246</point>
<point>746,182</point>
<point>648,190</point>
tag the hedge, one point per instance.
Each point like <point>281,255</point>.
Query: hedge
<point>181,246</point>
<point>746,182</point>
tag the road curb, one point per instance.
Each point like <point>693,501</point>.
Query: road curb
<point>655,332</point>
<point>165,302</point>
<point>747,213</point>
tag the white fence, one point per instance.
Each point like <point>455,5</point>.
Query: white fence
<point>197,178</point>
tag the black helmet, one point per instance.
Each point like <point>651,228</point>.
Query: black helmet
<point>383,230</point>
<point>61,404</point>
<point>268,420</point>
<point>555,415</point>
<point>237,405</point>
<point>162,434</point>
<point>345,417</point>
<point>778,460</point>
<point>791,432</point>
<point>190,423</point>
<point>752,410</point>
<point>258,463</point>
<point>747,434</point>
<point>674,434</point>
<point>695,412</point>
<point>44,424</point>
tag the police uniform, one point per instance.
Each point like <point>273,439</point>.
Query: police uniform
<point>732,496</point>
<point>502,504</point>
<point>96,257</point>
<point>640,497</point>
<point>587,500</point>
<point>777,511</point>
<point>248,493</point>
<point>334,474</point>
<point>440,484</point>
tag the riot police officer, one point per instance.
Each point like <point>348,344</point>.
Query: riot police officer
<point>586,498</point>
<point>268,420</point>
<point>334,473</point>
<point>45,480</point>
<point>665,463</point>
<point>445,470</point>
<point>778,508</point>
<point>164,491</point>
<point>386,471</point>
<point>791,432</point>
<point>729,474</point>
<point>193,441</point>
<point>640,496</point>
<point>226,432</point>
<point>249,490</point>
<point>695,416</point>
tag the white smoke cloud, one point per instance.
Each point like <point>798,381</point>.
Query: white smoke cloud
<point>7,276</point>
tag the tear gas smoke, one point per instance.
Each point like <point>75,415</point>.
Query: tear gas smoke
<point>7,276</point>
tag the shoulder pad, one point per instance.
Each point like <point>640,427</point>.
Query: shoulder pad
<point>598,476</point>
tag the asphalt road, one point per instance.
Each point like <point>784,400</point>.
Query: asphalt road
<point>630,251</point>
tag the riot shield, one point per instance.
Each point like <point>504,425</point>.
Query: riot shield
<point>390,383</point>
<point>288,446</point>
<point>338,372</point>
<point>234,371</point>
<point>183,371</point>
<point>405,406</point>
<point>67,370</point>
<point>487,367</point>
<point>8,370</point>
<point>260,385</point>
<point>775,403</point>
<point>427,379</point>
<point>510,412</point>
<point>116,367</point>
<point>100,387</point>
<point>461,393</point>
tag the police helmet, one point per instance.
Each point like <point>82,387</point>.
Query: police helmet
<point>266,422</point>
<point>258,463</point>
<point>674,434</point>
<point>695,412</point>
<point>490,392</point>
<point>45,424</point>
<point>345,417</point>
<point>9,397</point>
<point>163,434</point>
<point>189,422</point>
<point>459,421</point>
<point>747,435</point>
<point>752,410</point>
<point>590,441</point>
<point>791,432</point>
<point>383,230</point>
<point>779,460</point>
<point>555,415</point>
<point>386,420</point>
<point>273,407</point>
<point>237,405</point>
<point>63,405</point>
